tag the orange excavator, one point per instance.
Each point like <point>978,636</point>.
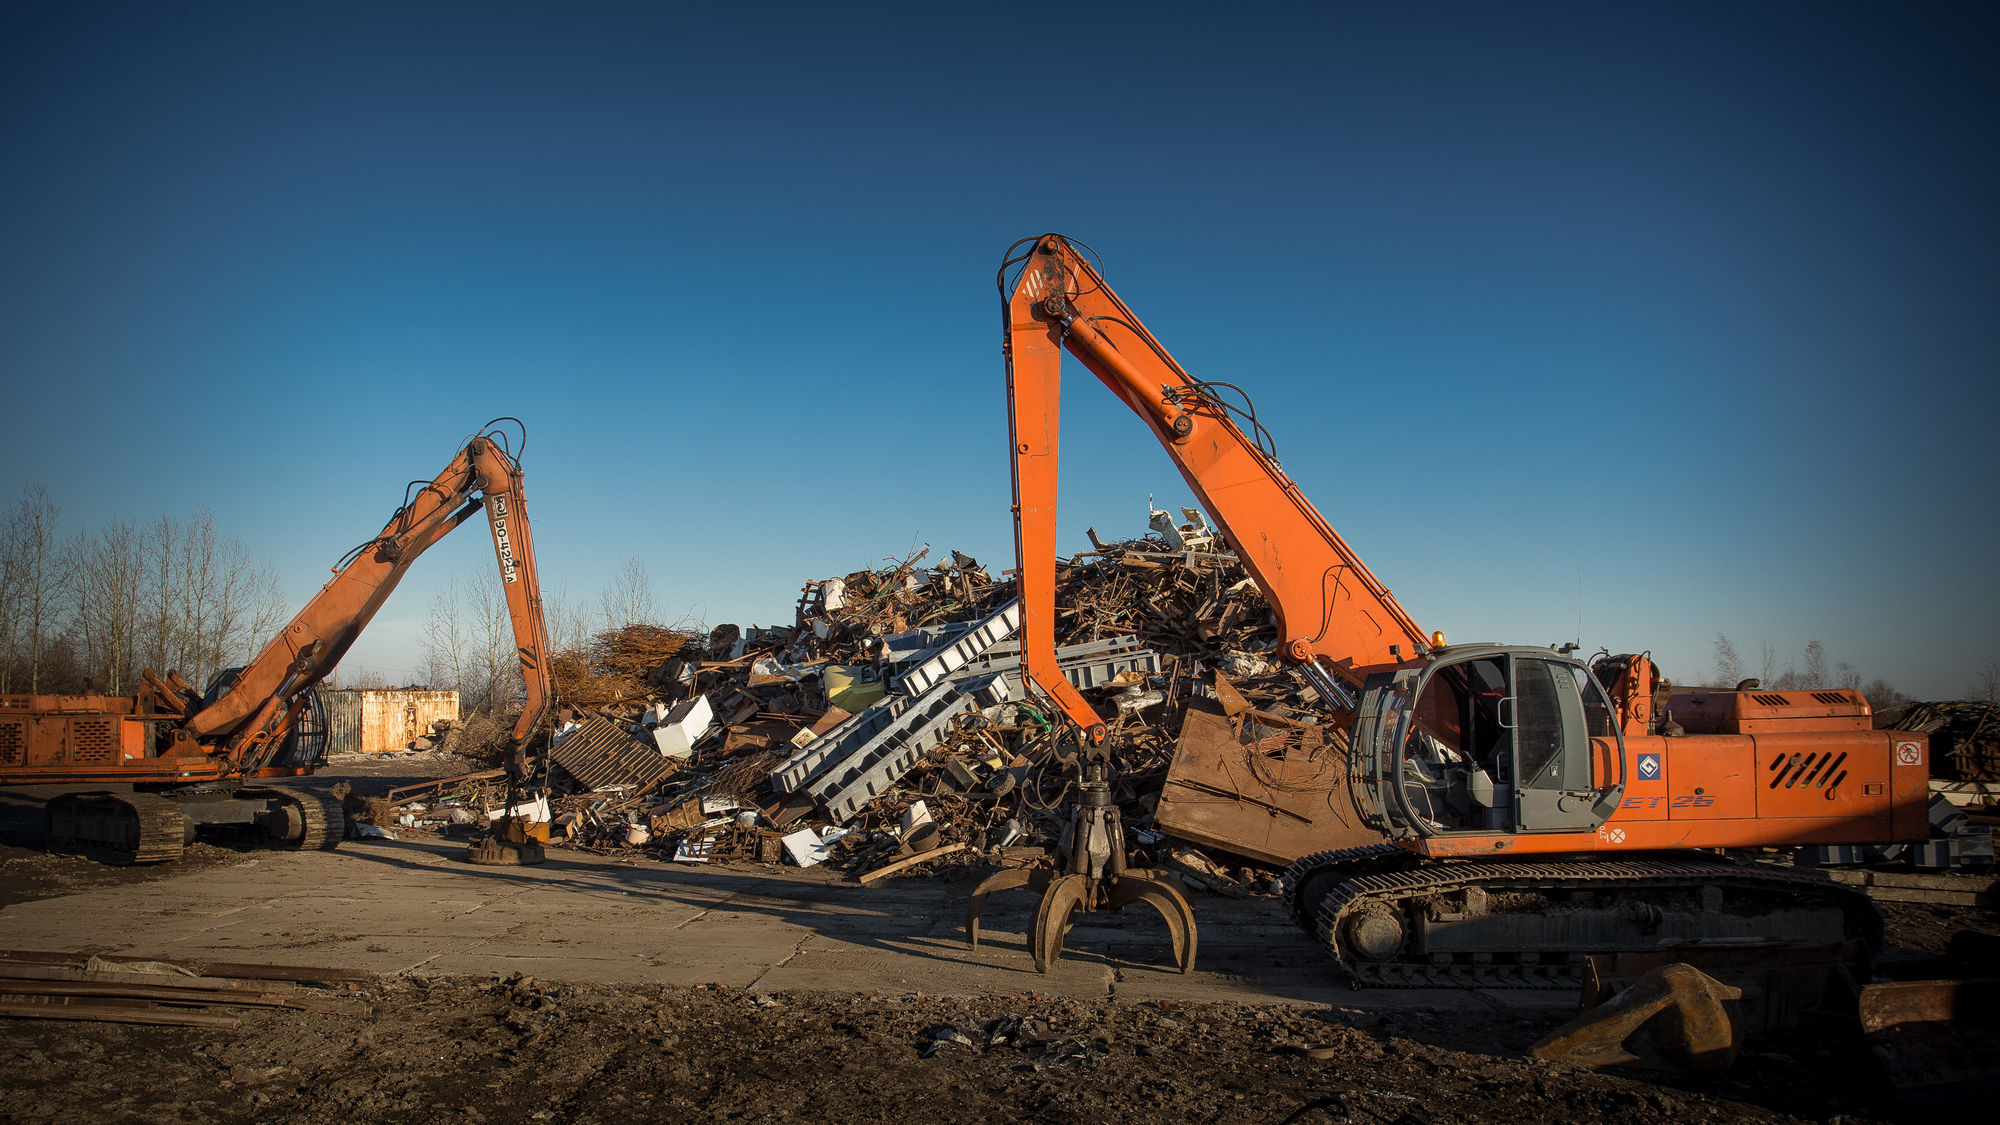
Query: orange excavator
<point>191,757</point>
<point>1523,808</point>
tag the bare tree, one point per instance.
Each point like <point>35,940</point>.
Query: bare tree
<point>1847,676</point>
<point>34,584</point>
<point>1768,673</point>
<point>105,580</point>
<point>569,629</point>
<point>1812,673</point>
<point>165,593</point>
<point>197,555</point>
<point>266,609</point>
<point>1881,694</point>
<point>172,595</point>
<point>445,641</point>
<point>497,663</point>
<point>1989,681</point>
<point>469,647</point>
<point>206,603</point>
<point>361,678</point>
<point>248,607</point>
<point>1728,666</point>
<point>229,603</point>
<point>628,598</point>
<point>13,593</point>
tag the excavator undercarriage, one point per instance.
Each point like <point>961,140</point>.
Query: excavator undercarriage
<point>1390,919</point>
<point>141,828</point>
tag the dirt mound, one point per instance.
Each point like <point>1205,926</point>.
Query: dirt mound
<point>517,1051</point>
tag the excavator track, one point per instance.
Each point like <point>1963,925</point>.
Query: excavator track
<point>1526,924</point>
<point>325,822</point>
<point>1309,877</point>
<point>119,829</point>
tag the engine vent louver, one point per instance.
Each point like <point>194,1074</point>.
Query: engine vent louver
<point>13,738</point>
<point>1770,700</point>
<point>1810,771</point>
<point>93,740</point>
<point>1835,698</point>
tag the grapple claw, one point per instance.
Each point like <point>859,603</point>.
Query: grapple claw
<point>1052,919</point>
<point>508,845</point>
<point>1162,895</point>
<point>1035,878</point>
<point>1093,876</point>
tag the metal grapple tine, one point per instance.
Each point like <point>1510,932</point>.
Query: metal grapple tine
<point>1005,880</point>
<point>1052,919</point>
<point>1163,896</point>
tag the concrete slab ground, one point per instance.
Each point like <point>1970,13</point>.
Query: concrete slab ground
<point>406,907</point>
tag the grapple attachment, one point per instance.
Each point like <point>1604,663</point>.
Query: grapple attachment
<point>1091,876</point>
<point>512,843</point>
<point>509,845</point>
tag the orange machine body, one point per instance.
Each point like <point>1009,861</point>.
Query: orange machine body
<point>1754,769</point>
<point>1743,791</point>
<point>92,738</point>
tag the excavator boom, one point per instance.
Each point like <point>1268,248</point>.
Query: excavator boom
<point>1334,616</point>
<point>241,722</point>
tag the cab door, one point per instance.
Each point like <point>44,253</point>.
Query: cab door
<point>1550,726</point>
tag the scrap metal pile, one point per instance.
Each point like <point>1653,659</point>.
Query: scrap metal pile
<point>888,725</point>
<point>1965,736</point>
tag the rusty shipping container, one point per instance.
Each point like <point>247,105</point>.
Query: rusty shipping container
<point>384,721</point>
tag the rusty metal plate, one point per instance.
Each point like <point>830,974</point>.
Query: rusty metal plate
<point>1938,1040</point>
<point>1272,801</point>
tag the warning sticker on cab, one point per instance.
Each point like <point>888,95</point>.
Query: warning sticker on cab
<point>1909,753</point>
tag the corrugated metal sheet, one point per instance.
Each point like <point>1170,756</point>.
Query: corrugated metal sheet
<point>383,721</point>
<point>601,753</point>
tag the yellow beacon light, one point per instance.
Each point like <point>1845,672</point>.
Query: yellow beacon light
<point>1437,639</point>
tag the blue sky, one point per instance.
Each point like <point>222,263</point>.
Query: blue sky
<point>1686,313</point>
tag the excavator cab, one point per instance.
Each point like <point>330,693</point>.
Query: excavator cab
<point>1490,739</point>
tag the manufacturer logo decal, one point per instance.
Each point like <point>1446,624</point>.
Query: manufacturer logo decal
<point>1909,753</point>
<point>1649,767</point>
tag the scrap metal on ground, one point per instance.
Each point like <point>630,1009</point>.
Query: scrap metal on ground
<point>888,725</point>
<point>106,989</point>
<point>1965,735</point>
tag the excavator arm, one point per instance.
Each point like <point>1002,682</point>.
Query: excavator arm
<point>248,721</point>
<point>1333,614</point>
<point>1334,617</point>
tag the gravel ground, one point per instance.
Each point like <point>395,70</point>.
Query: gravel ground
<point>27,873</point>
<point>444,1050</point>
<point>519,1051</point>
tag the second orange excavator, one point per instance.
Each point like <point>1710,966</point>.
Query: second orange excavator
<point>1527,809</point>
<point>191,759</point>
